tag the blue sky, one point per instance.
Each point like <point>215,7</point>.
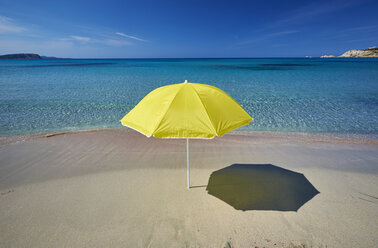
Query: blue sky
<point>186,29</point>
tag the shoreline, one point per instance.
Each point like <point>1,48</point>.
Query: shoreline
<point>312,137</point>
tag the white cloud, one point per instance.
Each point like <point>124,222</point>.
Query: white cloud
<point>92,41</point>
<point>7,26</point>
<point>80,38</point>
<point>107,42</point>
<point>131,37</point>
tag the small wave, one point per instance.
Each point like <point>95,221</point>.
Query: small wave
<point>285,64</point>
<point>251,68</point>
<point>66,65</point>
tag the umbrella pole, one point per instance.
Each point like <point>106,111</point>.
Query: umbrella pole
<point>187,163</point>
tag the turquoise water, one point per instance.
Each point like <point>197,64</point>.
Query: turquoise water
<point>305,95</point>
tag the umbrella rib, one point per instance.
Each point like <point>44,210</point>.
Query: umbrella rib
<point>232,99</point>
<point>204,106</point>
<point>165,112</point>
<point>239,124</point>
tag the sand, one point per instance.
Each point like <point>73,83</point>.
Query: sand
<point>117,188</point>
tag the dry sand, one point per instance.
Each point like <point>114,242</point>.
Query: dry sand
<point>117,188</point>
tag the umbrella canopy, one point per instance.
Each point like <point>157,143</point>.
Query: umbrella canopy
<point>186,110</point>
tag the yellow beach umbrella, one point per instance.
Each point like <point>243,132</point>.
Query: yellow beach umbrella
<point>186,110</point>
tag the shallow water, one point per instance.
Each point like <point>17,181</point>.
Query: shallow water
<point>302,95</point>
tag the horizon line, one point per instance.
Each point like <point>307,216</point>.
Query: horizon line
<point>268,57</point>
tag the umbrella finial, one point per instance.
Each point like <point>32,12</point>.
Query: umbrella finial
<point>186,81</point>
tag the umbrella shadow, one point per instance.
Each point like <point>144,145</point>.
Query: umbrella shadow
<point>261,187</point>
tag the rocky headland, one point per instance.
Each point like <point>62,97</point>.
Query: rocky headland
<point>328,56</point>
<point>371,52</point>
<point>21,56</point>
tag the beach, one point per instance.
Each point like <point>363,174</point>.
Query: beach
<point>157,124</point>
<point>117,188</point>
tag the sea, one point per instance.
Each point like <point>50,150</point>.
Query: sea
<point>335,96</point>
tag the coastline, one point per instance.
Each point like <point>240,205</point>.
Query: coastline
<point>312,137</point>
<point>115,187</point>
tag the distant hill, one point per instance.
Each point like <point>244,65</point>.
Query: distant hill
<point>371,52</point>
<point>21,56</point>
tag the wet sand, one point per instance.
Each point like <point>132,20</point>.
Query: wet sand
<point>117,188</point>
